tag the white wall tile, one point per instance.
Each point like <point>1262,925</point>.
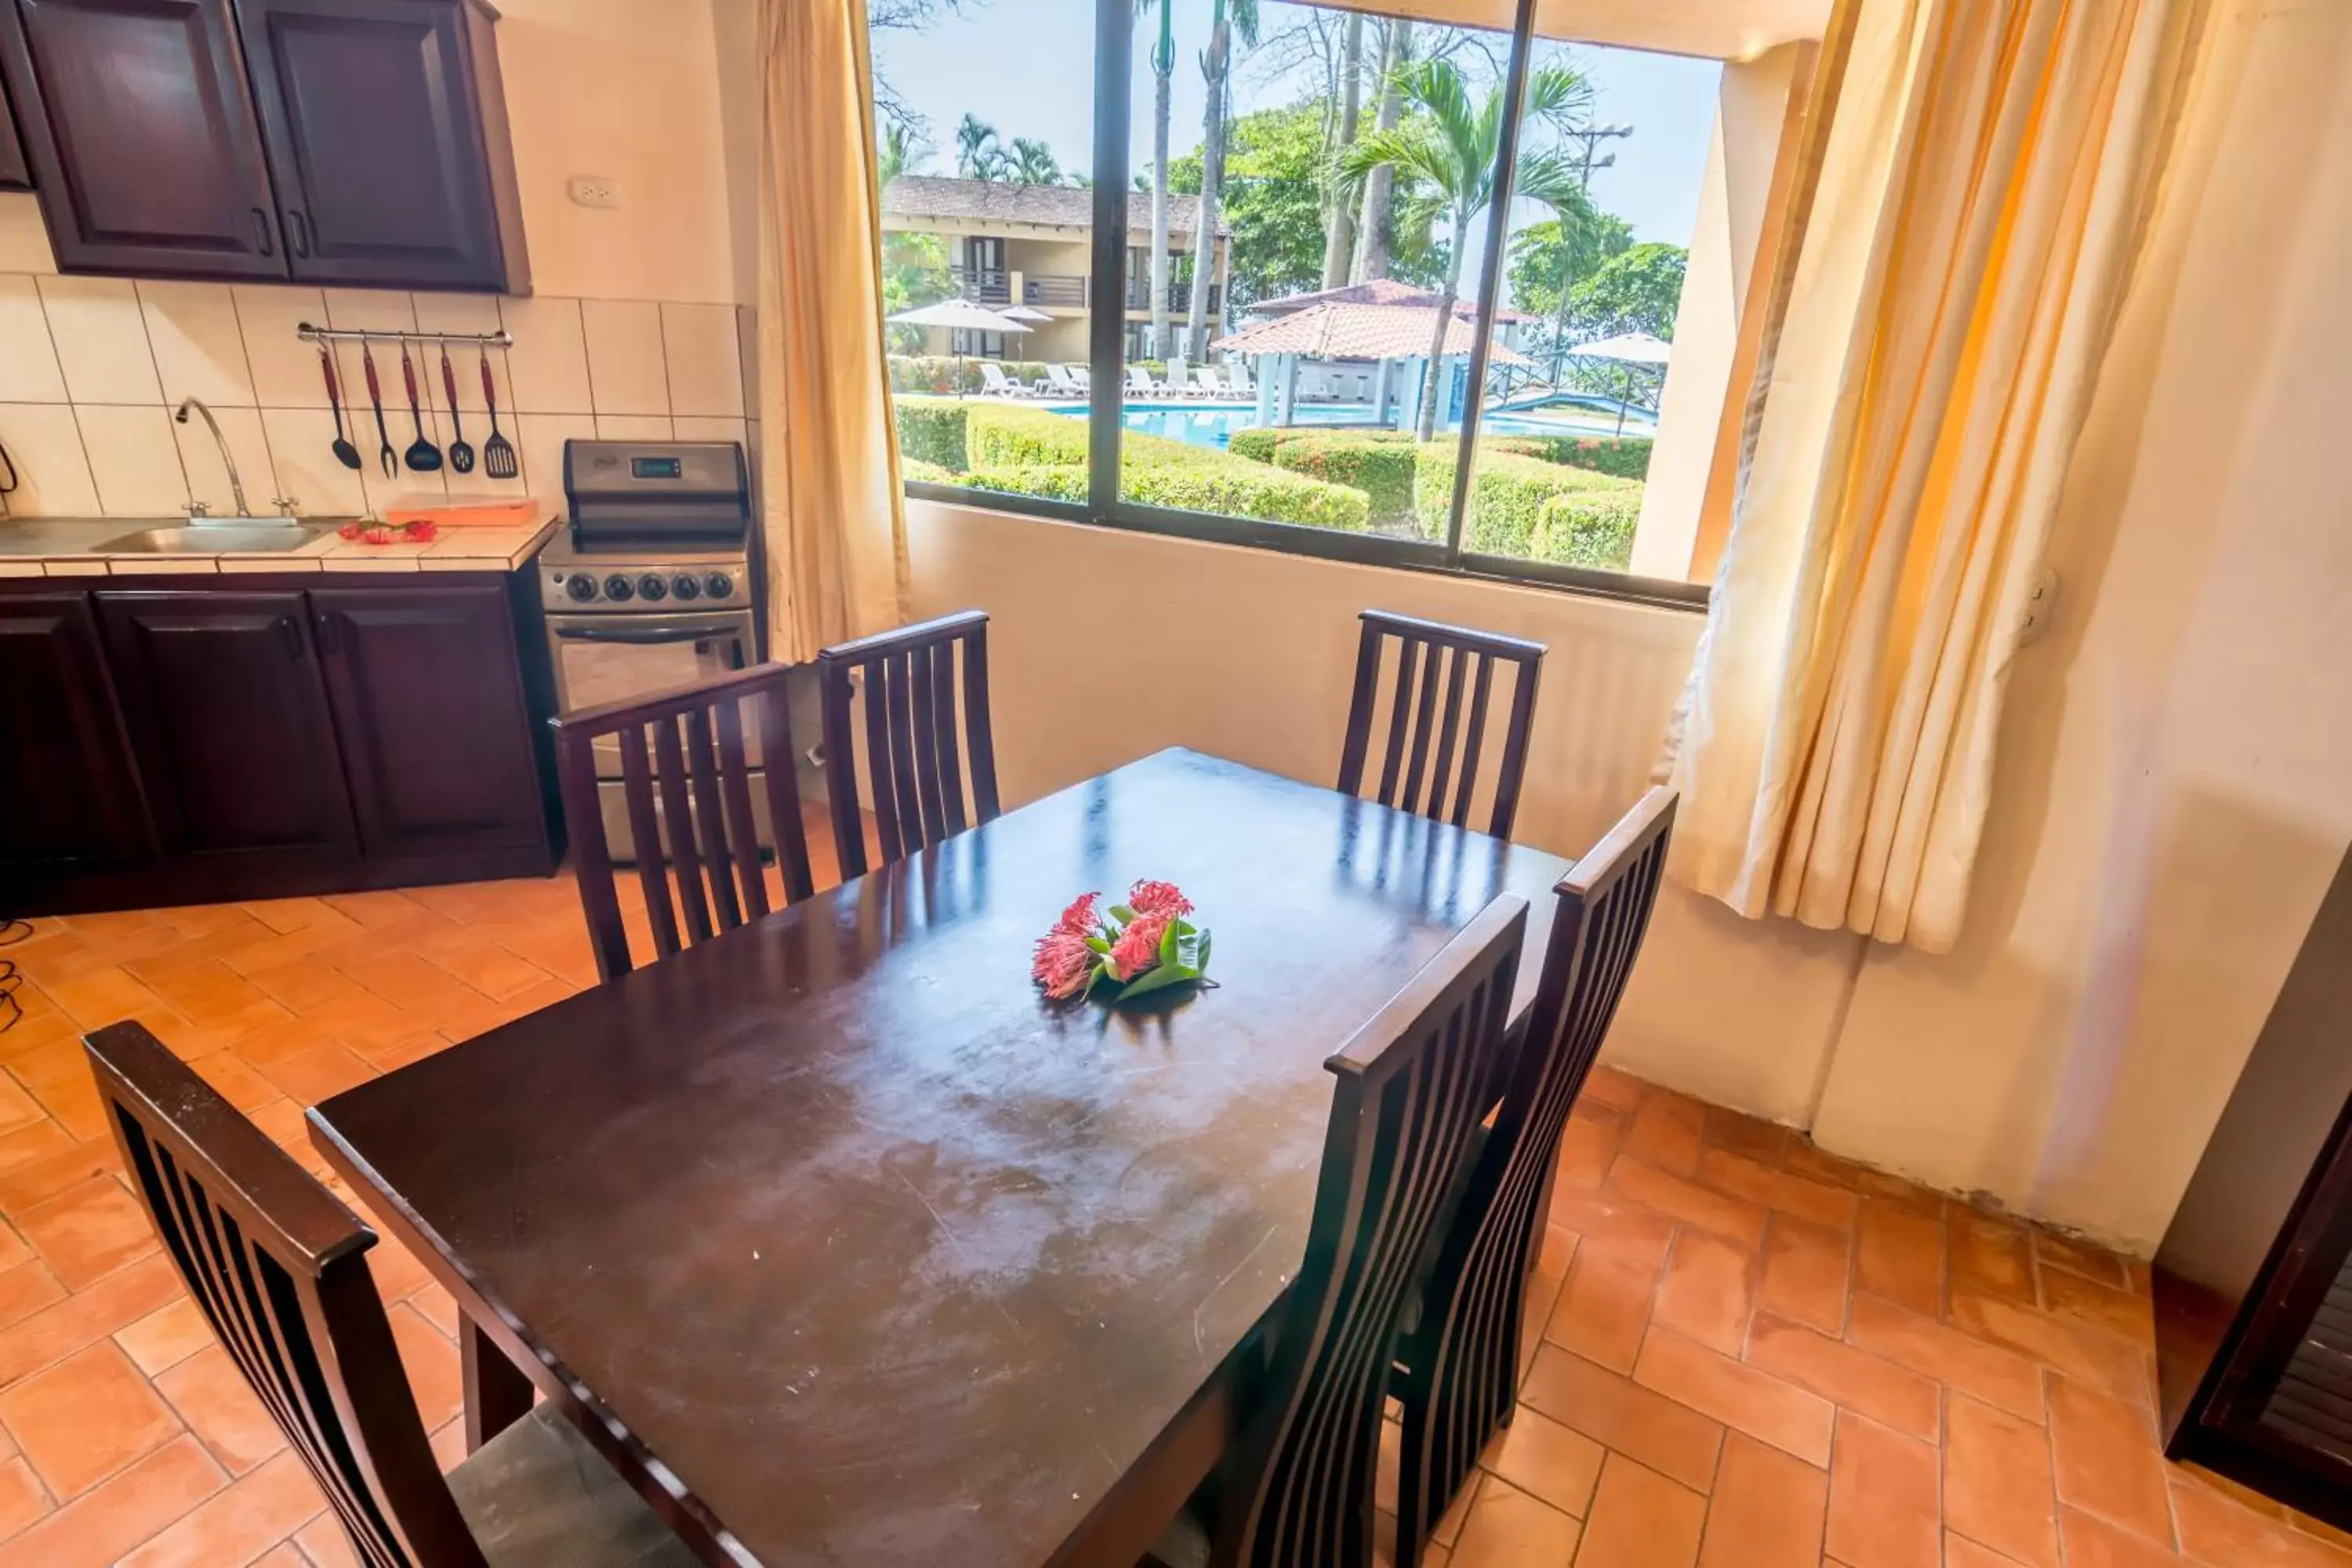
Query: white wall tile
<point>689,427</point>
<point>28,362</point>
<point>633,427</point>
<point>546,368</point>
<point>102,340</point>
<point>52,473</point>
<point>301,443</point>
<point>461,313</point>
<point>704,359</point>
<point>207,476</point>
<point>540,437</point>
<point>285,368</point>
<point>133,459</point>
<point>626,374</point>
<point>403,488</point>
<point>199,348</point>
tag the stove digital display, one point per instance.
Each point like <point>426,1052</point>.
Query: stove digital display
<point>656,469</point>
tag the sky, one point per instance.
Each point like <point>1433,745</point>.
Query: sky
<point>1027,66</point>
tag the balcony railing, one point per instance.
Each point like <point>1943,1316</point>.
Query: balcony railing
<point>1180,296</point>
<point>1052,288</point>
<point>983,285</point>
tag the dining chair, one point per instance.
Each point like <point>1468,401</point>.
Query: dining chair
<point>918,761</point>
<point>1432,654</point>
<point>278,1269</point>
<point>1297,1487</point>
<point>694,831</point>
<point>1458,1364</point>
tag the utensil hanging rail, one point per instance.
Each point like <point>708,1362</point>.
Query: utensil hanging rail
<point>501,339</point>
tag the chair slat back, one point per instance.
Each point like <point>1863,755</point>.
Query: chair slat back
<point>1464,1356</point>
<point>686,781</point>
<point>1430,765</point>
<point>278,1269</point>
<point>1413,1085</point>
<point>917,758</point>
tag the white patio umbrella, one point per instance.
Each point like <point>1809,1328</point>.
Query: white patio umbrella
<point>1627,349</point>
<point>961,314</point>
<point>1022,313</point>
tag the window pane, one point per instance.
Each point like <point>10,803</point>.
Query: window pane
<point>1279,369</point>
<point>1610,170</point>
<point>986,116</point>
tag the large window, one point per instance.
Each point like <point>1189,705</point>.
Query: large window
<point>1297,265</point>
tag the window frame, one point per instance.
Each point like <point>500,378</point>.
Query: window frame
<point>1107,364</point>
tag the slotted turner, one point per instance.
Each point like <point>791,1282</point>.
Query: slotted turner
<point>498,453</point>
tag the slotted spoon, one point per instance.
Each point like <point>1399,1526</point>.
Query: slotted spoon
<point>461,451</point>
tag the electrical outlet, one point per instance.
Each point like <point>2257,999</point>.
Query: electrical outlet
<point>2041,604</point>
<point>595,191</point>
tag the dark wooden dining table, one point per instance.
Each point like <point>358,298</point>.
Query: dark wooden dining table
<point>848,1246</point>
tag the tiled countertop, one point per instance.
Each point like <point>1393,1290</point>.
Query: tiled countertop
<point>456,550</point>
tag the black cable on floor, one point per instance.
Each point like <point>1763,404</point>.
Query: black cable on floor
<point>12,932</point>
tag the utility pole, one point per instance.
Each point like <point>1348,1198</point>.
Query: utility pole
<point>1589,158</point>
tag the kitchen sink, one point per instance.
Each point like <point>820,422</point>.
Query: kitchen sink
<point>212,538</point>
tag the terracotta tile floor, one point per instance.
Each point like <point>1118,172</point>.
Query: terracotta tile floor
<point>1750,1354</point>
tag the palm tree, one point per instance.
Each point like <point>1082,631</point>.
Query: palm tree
<point>1033,164</point>
<point>1453,146</point>
<point>1339,207</point>
<point>1226,19</point>
<point>1376,228</point>
<point>902,148</point>
<point>979,155</point>
<point>1163,75</point>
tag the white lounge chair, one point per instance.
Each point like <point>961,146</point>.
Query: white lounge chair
<point>1060,380</point>
<point>1208,385</point>
<point>1182,382</point>
<point>995,383</point>
<point>1238,377</point>
<point>1139,380</point>
<point>1084,377</point>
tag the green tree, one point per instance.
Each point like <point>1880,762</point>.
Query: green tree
<point>1452,147</point>
<point>1033,164</point>
<point>1274,201</point>
<point>1227,18</point>
<point>1163,77</point>
<point>980,155</point>
<point>1636,290</point>
<point>1550,256</point>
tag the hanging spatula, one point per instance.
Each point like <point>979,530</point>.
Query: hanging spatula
<point>497,454</point>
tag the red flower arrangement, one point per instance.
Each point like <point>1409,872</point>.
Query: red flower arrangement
<point>1141,946</point>
<point>424,530</point>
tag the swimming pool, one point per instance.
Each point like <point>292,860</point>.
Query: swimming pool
<point>1212,425</point>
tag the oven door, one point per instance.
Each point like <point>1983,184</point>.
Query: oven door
<point>614,659</point>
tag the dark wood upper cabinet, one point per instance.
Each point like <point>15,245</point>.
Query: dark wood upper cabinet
<point>16,174</point>
<point>227,714</point>
<point>343,142</point>
<point>142,136</point>
<point>428,703</point>
<point>70,799</point>
<point>386,129</point>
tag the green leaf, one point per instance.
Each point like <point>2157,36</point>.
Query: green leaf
<point>1169,943</point>
<point>1097,944</point>
<point>1201,954</point>
<point>1159,979</point>
<point>1094,976</point>
<point>1120,913</point>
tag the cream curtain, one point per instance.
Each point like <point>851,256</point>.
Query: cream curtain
<point>834,524</point>
<point>1969,219</point>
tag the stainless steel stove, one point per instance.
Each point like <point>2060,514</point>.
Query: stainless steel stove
<point>650,585</point>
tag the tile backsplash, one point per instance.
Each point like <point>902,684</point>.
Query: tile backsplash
<point>90,369</point>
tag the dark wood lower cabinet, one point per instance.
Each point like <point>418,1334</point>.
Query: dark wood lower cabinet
<point>2253,1282</point>
<point>186,743</point>
<point>15,173</point>
<point>69,794</point>
<point>428,700</point>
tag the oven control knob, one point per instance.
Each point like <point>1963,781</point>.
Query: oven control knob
<point>687,585</point>
<point>619,587</point>
<point>580,586</point>
<point>652,587</point>
<point>718,586</point>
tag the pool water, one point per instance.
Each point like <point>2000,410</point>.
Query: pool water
<point>1212,425</point>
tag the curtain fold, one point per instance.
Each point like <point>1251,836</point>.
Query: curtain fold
<point>833,517</point>
<point>1972,214</point>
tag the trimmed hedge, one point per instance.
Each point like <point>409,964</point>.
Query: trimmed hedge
<point>1626,457</point>
<point>914,470</point>
<point>937,372</point>
<point>1589,528</point>
<point>1235,491</point>
<point>1382,470</point>
<point>1257,442</point>
<point>1507,491</point>
<point>931,430</point>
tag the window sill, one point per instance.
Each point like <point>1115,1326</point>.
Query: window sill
<point>1331,544</point>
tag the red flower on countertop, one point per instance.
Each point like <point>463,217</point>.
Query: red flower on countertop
<point>1083,918</point>
<point>1148,897</point>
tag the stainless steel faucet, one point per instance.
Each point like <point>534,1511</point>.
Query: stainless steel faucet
<point>228,460</point>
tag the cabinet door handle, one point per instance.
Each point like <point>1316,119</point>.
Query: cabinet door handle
<point>261,232</point>
<point>325,626</point>
<point>291,630</point>
<point>298,229</point>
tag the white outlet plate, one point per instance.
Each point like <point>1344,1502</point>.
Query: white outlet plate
<point>594,190</point>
